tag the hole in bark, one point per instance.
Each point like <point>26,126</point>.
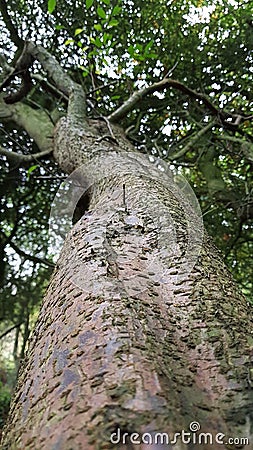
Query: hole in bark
<point>82,207</point>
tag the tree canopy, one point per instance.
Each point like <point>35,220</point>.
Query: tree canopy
<point>191,62</point>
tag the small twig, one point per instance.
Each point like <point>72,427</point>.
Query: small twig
<point>107,137</point>
<point>170,71</point>
<point>49,87</point>
<point>102,87</point>
<point>18,158</point>
<point>21,69</point>
<point>193,139</point>
<point>109,127</point>
<point>33,258</point>
<point>10,329</point>
<point>16,39</point>
<point>63,177</point>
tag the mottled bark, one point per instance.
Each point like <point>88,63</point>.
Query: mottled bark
<point>128,338</point>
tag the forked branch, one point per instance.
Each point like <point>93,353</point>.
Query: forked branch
<point>229,120</point>
<point>63,83</point>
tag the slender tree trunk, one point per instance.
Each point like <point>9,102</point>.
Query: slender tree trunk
<point>142,328</point>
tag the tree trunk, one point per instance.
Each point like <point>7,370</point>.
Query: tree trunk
<point>142,329</point>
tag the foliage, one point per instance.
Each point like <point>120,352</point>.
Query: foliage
<point>25,208</point>
<point>5,397</point>
<point>6,384</point>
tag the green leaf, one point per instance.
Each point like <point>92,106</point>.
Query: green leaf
<point>130,50</point>
<point>106,37</point>
<point>101,12</point>
<point>106,2</point>
<point>116,10</point>
<point>98,42</point>
<point>139,47</point>
<point>98,27</point>
<point>85,73</point>
<point>31,169</point>
<point>89,3</point>
<point>69,41</point>
<point>51,4</point>
<point>59,27</point>
<point>148,46</point>
<point>113,23</point>
<point>92,52</point>
<point>152,55</point>
<point>78,31</point>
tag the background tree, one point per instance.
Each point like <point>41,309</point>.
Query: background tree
<point>192,110</point>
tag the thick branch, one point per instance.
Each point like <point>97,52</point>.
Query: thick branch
<point>52,67</point>
<point>75,92</point>
<point>132,101</point>
<point>65,86</point>
<point>36,122</point>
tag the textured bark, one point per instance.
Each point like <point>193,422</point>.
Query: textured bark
<point>127,337</point>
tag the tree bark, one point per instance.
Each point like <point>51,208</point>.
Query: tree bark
<point>142,328</point>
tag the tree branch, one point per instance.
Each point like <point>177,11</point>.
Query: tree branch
<point>194,139</point>
<point>36,122</point>
<point>246,147</point>
<point>135,98</point>
<point>33,258</point>
<point>54,71</point>
<point>74,91</point>
<point>10,329</point>
<point>19,158</point>
<point>21,69</point>
<point>47,86</point>
<point>64,84</point>
<point>3,63</point>
<point>16,39</point>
